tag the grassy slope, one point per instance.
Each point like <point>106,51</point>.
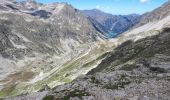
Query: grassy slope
<point>69,71</point>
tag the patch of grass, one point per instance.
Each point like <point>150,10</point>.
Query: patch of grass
<point>66,80</point>
<point>94,80</point>
<point>129,67</point>
<point>94,61</point>
<point>10,87</point>
<point>60,75</point>
<point>75,93</point>
<point>49,97</point>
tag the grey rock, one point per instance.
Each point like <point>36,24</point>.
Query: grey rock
<point>160,63</point>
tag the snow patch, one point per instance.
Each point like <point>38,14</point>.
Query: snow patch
<point>47,45</point>
<point>17,46</point>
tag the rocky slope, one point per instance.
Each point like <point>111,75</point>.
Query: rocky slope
<point>137,68</point>
<point>112,23</point>
<point>27,5</point>
<point>134,70</point>
<point>34,45</point>
<point>155,15</point>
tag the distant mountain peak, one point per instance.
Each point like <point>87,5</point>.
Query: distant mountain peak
<point>113,23</point>
<point>155,15</point>
<point>95,9</point>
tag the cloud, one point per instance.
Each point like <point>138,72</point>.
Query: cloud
<point>143,1</point>
<point>97,7</point>
<point>105,8</point>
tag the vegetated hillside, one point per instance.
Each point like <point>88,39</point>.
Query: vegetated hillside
<point>112,23</point>
<point>38,40</point>
<point>138,68</point>
<point>133,70</point>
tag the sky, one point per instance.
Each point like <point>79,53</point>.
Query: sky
<point>119,7</point>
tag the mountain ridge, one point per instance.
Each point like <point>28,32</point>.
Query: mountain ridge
<point>137,67</point>
<point>157,14</point>
<point>34,48</point>
<point>113,23</point>
<point>63,56</point>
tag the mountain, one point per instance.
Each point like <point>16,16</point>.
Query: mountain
<point>150,23</point>
<point>156,15</point>
<point>112,23</point>
<point>34,45</point>
<point>25,5</point>
<point>65,23</point>
<point>136,68</point>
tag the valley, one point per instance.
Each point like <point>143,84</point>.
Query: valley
<point>57,75</point>
<point>57,52</point>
